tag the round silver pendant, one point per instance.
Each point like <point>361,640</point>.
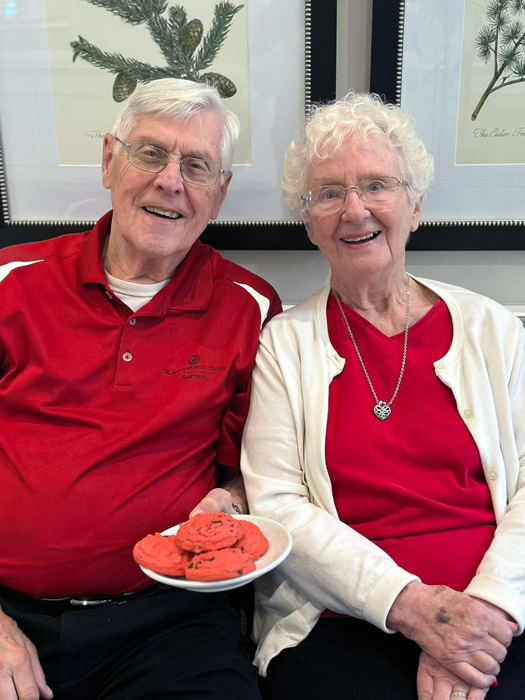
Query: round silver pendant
<point>382,410</point>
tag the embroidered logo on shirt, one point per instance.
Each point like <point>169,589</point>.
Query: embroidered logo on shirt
<point>193,370</point>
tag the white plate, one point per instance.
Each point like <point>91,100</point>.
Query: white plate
<point>280,544</point>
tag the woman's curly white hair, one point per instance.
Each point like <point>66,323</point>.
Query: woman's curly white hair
<point>369,118</point>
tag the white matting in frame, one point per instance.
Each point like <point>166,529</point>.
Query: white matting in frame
<point>480,165</point>
<point>40,189</point>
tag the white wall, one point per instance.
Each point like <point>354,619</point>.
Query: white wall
<point>500,275</point>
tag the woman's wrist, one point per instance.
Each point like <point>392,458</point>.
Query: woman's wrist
<point>402,616</point>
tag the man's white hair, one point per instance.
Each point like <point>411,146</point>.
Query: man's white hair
<point>178,99</point>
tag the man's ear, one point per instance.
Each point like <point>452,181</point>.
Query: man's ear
<point>107,159</point>
<point>220,195</point>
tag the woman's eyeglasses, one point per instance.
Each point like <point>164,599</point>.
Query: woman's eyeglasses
<point>329,199</point>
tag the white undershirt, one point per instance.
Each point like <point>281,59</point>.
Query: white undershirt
<point>132,294</point>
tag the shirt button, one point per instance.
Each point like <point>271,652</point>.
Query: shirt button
<point>108,294</point>
<point>132,321</point>
<point>127,357</point>
<point>493,475</point>
<point>440,364</point>
<point>467,412</point>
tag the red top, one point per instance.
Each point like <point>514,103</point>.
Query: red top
<point>112,422</point>
<point>413,483</point>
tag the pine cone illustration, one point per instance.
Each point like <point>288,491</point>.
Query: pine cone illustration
<point>186,48</point>
<point>123,86</point>
<point>192,35</point>
<point>224,85</point>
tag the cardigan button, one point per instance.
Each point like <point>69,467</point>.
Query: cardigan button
<point>127,357</point>
<point>132,321</point>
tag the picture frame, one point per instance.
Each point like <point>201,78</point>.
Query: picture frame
<point>314,79</point>
<point>418,62</point>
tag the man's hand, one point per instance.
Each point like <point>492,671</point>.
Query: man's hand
<point>21,676</point>
<point>220,500</point>
<point>435,682</point>
<point>216,501</point>
<point>460,633</point>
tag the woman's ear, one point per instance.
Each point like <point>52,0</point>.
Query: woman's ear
<point>310,232</point>
<point>416,215</point>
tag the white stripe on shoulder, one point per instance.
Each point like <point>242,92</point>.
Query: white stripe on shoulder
<point>8,267</point>
<point>264,303</point>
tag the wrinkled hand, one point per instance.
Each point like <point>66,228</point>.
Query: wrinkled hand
<point>435,682</point>
<point>462,634</point>
<point>21,676</point>
<point>216,501</point>
<point>501,613</point>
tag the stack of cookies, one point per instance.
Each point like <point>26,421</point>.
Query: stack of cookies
<point>208,547</point>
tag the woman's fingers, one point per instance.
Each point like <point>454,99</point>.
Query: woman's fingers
<point>486,663</point>
<point>471,675</point>
<point>434,682</point>
<point>460,691</point>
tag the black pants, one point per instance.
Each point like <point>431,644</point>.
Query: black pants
<point>165,643</point>
<point>348,659</point>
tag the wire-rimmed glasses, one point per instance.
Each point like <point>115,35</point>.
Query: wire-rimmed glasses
<point>329,199</point>
<point>152,159</point>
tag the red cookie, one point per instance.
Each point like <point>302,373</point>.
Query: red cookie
<point>219,564</point>
<point>162,554</point>
<point>252,540</point>
<point>208,531</point>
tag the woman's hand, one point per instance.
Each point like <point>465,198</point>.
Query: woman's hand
<point>462,634</point>
<point>21,675</point>
<point>504,615</point>
<point>435,682</point>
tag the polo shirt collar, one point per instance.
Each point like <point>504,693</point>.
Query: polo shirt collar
<point>190,289</point>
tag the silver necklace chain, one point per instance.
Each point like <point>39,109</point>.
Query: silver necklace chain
<point>382,409</point>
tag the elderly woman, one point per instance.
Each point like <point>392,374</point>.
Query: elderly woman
<point>387,433</point>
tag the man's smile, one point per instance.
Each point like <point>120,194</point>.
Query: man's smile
<point>164,213</point>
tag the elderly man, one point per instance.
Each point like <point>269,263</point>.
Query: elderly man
<point>125,356</point>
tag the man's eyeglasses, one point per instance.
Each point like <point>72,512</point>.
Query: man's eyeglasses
<point>152,159</point>
<point>329,199</point>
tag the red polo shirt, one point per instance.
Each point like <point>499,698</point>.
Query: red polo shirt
<point>112,422</point>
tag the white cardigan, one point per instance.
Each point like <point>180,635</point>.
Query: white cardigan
<point>331,565</point>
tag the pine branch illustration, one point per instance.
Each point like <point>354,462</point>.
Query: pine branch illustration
<point>132,11</point>
<point>169,43</point>
<point>506,41</point>
<point>176,38</point>
<point>223,15</point>
<point>177,19</point>
<point>116,63</point>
